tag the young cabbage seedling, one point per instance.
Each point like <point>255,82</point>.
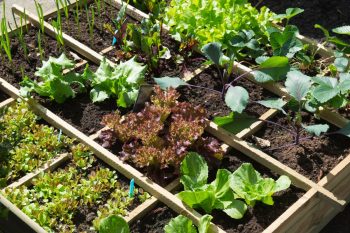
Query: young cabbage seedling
<point>302,90</point>
<point>235,97</point>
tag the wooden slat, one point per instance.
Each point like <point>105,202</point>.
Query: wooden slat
<point>337,180</point>
<point>19,213</point>
<point>256,126</point>
<point>7,102</point>
<point>149,204</point>
<point>49,166</point>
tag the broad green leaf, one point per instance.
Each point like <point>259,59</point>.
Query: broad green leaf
<point>167,82</point>
<point>249,185</point>
<point>343,30</point>
<point>204,223</point>
<point>344,82</point>
<point>235,122</point>
<point>114,224</point>
<point>275,61</point>
<point>291,12</point>
<point>237,98</point>
<point>342,64</point>
<point>131,69</point>
<point>180,224</point>
<point>194,171</point>
<point>236,209</point>
<point>221,184</point>
<point>204,199</point>
<point>326,89</point>
<point>316,129</point>
<point>121,82</point>
<point>274,103</point>
<point>282,183</point>
<point>286,43</point>
<point>213,52</point>
<point>297,85</point>
<point>271,69</point>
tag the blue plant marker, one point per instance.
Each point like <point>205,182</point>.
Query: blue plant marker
<point>132,188</point>
<point>114,42</point>
<point>59,135</point>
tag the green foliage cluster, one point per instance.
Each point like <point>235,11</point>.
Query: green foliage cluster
<point>55,197</point>
<point>229,192</point>
<point>26,145</point>
<point>121,82</point>
<point>216,21</point>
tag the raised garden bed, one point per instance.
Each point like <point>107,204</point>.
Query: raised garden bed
<point>318,167</point>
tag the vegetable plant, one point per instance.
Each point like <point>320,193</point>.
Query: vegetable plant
<point>40,13</point>
<point>53,203</point>
<point>184,225</point>
<point>305,92</point>
<point>114,224</point>
<point>146,38</point>
<point>4,38</point>
<point>216,21</point>
<point>121,82</point>
<point>53,82</point>
<point>158,137</point>
<point>26,145</point>
<point>235,97</point>
<point>225,192</point>
<point>342,45</point>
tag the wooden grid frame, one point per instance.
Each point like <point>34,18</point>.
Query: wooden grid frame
<point>332,192</point>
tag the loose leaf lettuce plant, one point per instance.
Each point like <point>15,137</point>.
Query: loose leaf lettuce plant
<point>159,136</point>
<point>121,82</point>
<point>53,82</point>
<point>229,192</point>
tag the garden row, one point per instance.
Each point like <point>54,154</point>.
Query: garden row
<point>278,133</point>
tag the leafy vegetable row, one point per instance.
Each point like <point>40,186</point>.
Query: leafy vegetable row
<point>56,199</point>
<point>25,145</point>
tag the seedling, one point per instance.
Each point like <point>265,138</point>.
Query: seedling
<point>184,225</point>
<point>53,82</point>
<point>91,22</point>
<point>4,37</point>
<point>76,14</point>
<point>228,190</point>
<point>235,97</point>
<point>40,13</point>
<point>303,90</point>
<point>41,51</point>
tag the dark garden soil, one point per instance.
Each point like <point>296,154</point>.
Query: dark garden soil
<point>154,221</point>
<point>255,220</point>
<point>327,13</point>
<point>3,96</point>
<point>213,102</point>
<point>340,223</point>
<point>102,39</point>
<point>313,158</point>
<point>80,112</point>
